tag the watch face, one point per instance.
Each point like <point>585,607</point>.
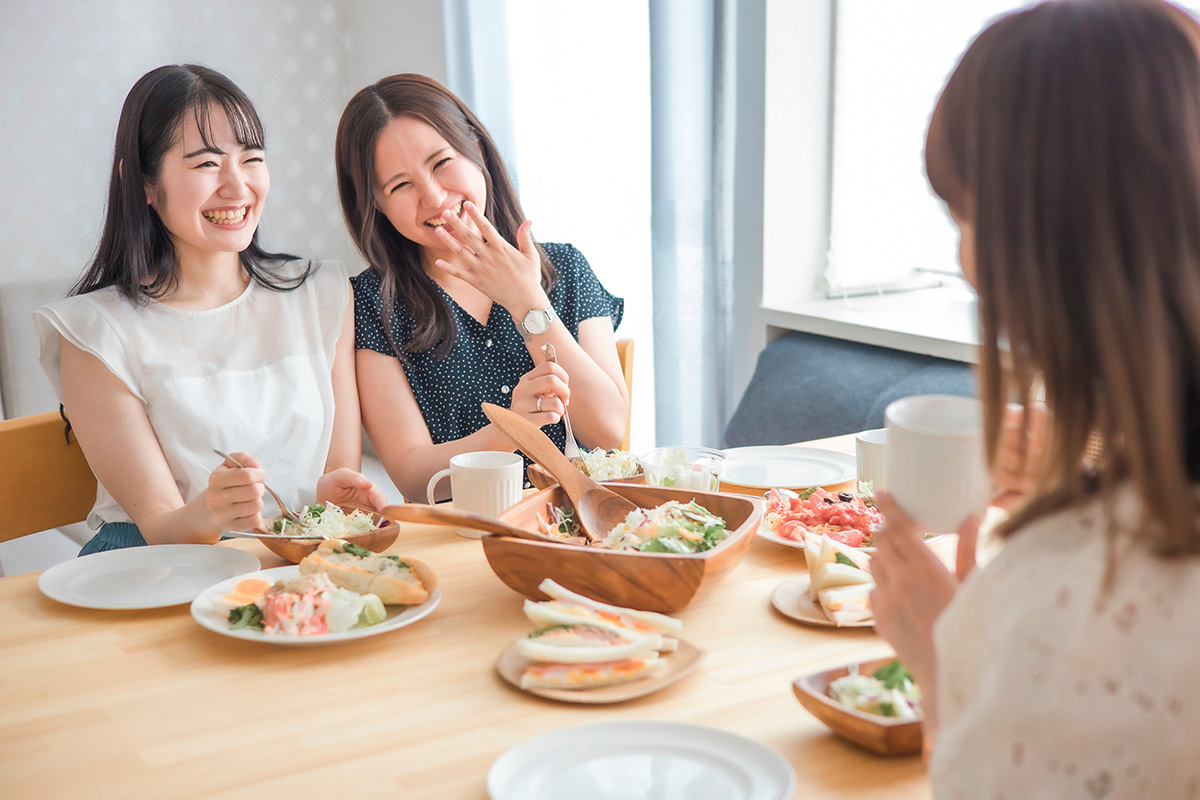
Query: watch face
<point>537,322</point>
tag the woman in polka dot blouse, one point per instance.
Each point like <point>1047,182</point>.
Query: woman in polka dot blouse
<point>459,299</point>
<point>1066,145</point>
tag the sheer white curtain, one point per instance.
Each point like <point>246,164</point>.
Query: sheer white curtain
<point>693,71</point>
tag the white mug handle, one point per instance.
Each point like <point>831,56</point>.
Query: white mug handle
<point>433,482</point>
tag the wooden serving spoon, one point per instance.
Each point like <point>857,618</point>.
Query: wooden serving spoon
<point>597,509</point>
<point>435,515</point>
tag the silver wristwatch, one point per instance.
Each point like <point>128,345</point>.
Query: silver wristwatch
<point>536,321</point>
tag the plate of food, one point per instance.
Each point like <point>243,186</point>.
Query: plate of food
<point>836,592</point>
<point>752,470</point>
<point>630,759</point>
<point>340,592</point>
<point>799,519</point>
<point>155,576</point>
<point>585,651</point>
<point>644,564</point>
<point>598,464</point>
<point>875,704</point>
<point>320,521</point>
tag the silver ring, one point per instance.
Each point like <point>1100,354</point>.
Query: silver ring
<point>539,404</point>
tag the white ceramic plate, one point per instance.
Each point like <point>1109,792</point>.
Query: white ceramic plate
<point>793,467</point>
<point>398,616</point>
<point>640,760</point>
<point>154,576</point>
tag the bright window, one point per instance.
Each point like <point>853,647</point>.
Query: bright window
<point>580,82</point>
<point>890,64</point>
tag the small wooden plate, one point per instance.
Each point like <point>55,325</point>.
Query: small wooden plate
<point>791,599</point>
<point>887,736</point>
<point>511,666</point>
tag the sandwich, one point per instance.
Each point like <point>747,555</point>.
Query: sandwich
<point>569,608</point>
<point>587,676</point>
<point>395,580</point>
<point>825,553</point>
<point>581,644</point>
<point>845,605</point>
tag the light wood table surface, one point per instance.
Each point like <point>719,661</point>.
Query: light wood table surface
<point>149,704</point>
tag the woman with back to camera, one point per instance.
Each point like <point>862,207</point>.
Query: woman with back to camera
<point>185,335</point>
<point>459,299</point>
<point>1067,147</point>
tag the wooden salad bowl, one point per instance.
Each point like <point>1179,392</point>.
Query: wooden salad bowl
<point>886,736</point>
<point>541,479</point>
<point>664,582</point>
<point>294,550</point>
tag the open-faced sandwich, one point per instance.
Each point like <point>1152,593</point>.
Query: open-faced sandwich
<point>583,643</point>
<point>396,580</point>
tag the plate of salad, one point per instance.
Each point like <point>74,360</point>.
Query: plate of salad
<point>309,613</point>
<point>875,704</point>
<point>673,527</point>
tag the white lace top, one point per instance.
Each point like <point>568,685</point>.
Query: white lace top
<point>254,374</point>
<point>1050,689</point>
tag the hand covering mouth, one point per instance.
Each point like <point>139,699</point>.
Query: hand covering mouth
<point>440,219</point>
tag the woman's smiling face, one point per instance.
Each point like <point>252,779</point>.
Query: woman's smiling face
<point>210,196</point>
<point>421,180</point>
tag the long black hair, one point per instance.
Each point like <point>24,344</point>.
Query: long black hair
<point>394,258</point>
<point>136,253</point>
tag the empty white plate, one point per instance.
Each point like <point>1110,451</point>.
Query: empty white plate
<point>769,467</point>
<point>640,760</point>
<point>153,576</point>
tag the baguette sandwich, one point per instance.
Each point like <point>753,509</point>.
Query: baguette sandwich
<point>395,580</point>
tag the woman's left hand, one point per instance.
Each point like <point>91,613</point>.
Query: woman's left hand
<point>510,276</point>
<point>345,487</point>
<point>912,586</point>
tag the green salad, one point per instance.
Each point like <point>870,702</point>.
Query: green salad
<point>673,527</point>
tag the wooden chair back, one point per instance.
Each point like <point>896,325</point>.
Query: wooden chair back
<point>625,353</point>
<point>43,475</point>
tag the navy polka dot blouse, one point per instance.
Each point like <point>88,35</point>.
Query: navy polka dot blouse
<point>487,360</point>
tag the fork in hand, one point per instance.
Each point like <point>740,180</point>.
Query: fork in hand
<point>283,509</point>
<point>571,448</point>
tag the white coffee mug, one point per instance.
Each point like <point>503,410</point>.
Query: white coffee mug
<point>870,451</point>
<point>486,482</point>
<point>936,467</point>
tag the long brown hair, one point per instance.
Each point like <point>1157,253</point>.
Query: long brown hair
<point>394,258</point>
<point>1069,137</point>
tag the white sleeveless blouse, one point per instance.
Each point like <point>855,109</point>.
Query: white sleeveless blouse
<point>254,375</point>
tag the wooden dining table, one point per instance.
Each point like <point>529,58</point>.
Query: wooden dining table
<point>147,703</point>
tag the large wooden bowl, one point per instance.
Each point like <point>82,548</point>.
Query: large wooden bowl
<point>294,550</point>
<point>663,582</point>
<point>886,736</point>
<point>544,480</point>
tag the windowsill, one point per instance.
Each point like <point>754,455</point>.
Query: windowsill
<point>940,322</point>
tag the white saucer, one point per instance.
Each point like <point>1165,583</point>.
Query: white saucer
<point>154,576</point>
<point>768,467</point>
<point>640,760</point>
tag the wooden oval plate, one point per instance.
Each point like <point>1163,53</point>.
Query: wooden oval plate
<point>791,599</point>
<point>511,666</point>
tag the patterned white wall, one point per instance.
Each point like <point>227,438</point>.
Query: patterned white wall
<point>65,68</point>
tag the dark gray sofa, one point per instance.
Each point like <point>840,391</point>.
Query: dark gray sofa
<point>809,387</point>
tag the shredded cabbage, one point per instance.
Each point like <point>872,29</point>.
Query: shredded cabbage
<point>325,521</point>
<point>601,465</point>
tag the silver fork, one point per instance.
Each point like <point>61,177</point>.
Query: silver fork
<point>283,509</point>
<point>571,448</point>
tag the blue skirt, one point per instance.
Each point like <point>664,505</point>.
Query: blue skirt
<point>114,536</point>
